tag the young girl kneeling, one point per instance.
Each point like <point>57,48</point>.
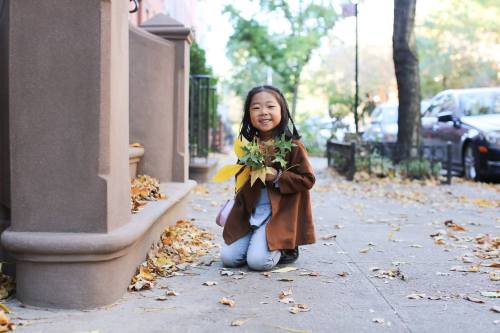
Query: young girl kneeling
<point>268,222</point>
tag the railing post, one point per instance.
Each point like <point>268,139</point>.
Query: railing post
<point>352,170</point>
<point>448,163</point>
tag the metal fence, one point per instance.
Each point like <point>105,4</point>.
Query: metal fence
<point>201,106</point>
<point>386,158</point>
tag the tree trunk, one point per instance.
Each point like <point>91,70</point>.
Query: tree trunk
<point>407,76</point>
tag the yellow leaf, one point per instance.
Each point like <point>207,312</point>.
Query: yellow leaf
<point>226,172</point>
<point>237,146</point>
<point>258,174</point>
<point>242,178</point>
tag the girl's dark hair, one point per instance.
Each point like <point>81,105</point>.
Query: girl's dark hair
<point>249,132</point>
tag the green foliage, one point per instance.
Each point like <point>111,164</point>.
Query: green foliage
<point>253,48</point>
<point>419,169</point>
<point>453,43</point>
<point>257,155</point>
<point>375,164</point>
<point>198,63</point>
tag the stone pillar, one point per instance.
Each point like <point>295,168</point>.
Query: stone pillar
<point>68,101</point>
<point>166,27</point>
<point>4,122</point>
<point>152,61</point>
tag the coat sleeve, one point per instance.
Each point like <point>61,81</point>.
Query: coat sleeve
<point>300,176</point>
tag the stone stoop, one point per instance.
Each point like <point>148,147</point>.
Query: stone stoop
<point>88,270</point>
<point>202,169</point>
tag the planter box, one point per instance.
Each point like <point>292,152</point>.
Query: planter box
<point>134,157</point>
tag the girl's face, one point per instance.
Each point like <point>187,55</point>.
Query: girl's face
<point>265,113</point>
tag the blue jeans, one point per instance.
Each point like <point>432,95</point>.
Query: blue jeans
<point>252,249</point>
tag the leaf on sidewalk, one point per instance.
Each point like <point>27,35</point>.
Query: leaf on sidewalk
<point>209,283</point>
<point>491,294</point>
<point>284,269</point>
<point>227,301</point>
<point>473,299</point>
<point>239,322</point>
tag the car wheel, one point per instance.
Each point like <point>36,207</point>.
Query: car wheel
<point>470,163</point>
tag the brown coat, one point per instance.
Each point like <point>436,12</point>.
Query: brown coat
<point>291,221</point>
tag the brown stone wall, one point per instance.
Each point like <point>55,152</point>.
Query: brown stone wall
<point>151,101</point>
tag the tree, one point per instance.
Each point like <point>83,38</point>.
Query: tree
<point>457,50</point>
<point>407,75</point>
<point>286,53</point>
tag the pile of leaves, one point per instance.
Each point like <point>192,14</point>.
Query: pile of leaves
<point>484,249</point>
<point>180,245</point>
<point>143,189</point>
<point>5,323</point>
<point>7,285</point>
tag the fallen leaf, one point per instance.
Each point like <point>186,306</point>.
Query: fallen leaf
<point>209,283</point>
<point>266,274</point>
<point>328,237</point>
<point>299,308</point>
<point>285,269</point>
<point>494,264</point>
<point>416,296</point>
<point>494,276</point>
<point>172,293</point>
<point>378,320</point>
<point>416,246</point>
<point>285,280</point>
<point>343,274</point>
<point>238,322</point>
<point>473,299</point>
<point>309,274</point>
<point>364,250</point>
<point>491,294</point>
<point>226,273</point>
<point>227,301</point>
<point>495,309</point>
<point>284,293</point>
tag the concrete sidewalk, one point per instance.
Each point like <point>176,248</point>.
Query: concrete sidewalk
<point>373,250</point>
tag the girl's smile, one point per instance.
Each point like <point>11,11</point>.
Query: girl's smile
<point>265,114</point>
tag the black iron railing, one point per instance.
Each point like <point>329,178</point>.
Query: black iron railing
<point>203,117</point>
<point>383,159</point>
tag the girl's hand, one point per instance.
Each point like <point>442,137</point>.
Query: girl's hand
<point>271,174</point>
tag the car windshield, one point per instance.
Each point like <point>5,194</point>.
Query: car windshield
<point>480,103</point>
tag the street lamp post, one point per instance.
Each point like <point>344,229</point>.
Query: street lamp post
<point>356,95</point>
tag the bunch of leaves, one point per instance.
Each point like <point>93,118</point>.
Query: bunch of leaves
<point>253,154</point>
<point>144,188</point>
<point>259,155</point>
<point>181,244</point>
<point>282,147</point>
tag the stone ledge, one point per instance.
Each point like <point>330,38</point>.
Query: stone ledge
<point>81,271</point>
<point>79,247</point>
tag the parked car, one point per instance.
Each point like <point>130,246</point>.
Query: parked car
<point>384,124</point>
<point>470,120</point>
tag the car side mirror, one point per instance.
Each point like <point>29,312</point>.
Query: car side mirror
<point>445,117</point>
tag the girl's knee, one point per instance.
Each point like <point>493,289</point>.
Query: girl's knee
<point>231,258</point>
<point>261,262</point>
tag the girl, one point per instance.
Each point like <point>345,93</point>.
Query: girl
<point>268,223</point>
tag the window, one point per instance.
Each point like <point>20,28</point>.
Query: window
<point>479,103</point>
